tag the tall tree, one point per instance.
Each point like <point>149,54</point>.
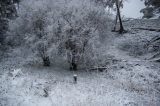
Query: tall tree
<point>119,16</point>
<point>110,4</point>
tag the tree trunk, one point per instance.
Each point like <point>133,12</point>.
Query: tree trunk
<point>73,65</point>
<point>46,61</point>
<point>119,16</point>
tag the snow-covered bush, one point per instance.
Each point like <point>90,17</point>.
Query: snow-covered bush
<point>70,29</point>
<point>32,28</point>
<point>84,25</point>
<point>135,48</point>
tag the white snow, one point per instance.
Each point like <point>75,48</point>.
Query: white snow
<point>127,81</point>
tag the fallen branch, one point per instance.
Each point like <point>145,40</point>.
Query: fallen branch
<point>156,60</point>
<point>157,55</point>
<point>99,68</point>
<point>149,29</point>
<point>45,93</point>
<point>155,39</point>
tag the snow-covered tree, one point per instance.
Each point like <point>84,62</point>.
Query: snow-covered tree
<point>81,22</point>
<point>66,28</point>
<point>110,4</point>
<point>31,27</point>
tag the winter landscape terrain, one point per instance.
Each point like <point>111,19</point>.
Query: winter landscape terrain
<point>75,53</point>
<point>128,80</point>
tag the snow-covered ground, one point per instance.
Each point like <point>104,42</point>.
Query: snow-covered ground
<point>129,80</point>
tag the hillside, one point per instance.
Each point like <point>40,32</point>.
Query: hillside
<point>130,78</point>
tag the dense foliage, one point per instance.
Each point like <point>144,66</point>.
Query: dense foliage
<point>67,29</point>
<point>155,3</point>
<point>152,8</point>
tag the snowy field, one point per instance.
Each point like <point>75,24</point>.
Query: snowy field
<point>129,80</point>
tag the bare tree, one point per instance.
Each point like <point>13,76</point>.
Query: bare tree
<point>110,4</point>
<point>121,30</point>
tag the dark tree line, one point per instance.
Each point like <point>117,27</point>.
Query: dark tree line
<point>7,11</point>
<point>155,3</point>
<point>152,8</point>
